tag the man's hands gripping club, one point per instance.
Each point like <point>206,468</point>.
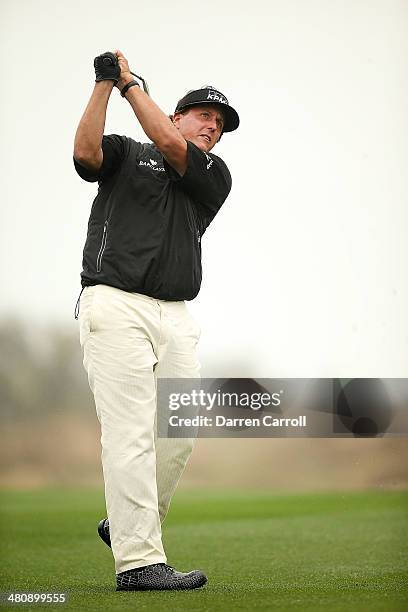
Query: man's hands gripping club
<point>114,67</point>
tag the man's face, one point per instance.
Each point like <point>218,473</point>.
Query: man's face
<point>201,124</point>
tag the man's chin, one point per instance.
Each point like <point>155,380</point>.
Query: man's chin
<point>202,144</point>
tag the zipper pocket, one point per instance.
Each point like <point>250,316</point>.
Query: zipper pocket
<point>102,247</point>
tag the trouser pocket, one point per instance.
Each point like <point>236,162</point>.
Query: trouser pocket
<point>85,314</point>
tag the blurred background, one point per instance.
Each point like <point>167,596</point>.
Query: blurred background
<point>51,436</point>
<point>305,266</point>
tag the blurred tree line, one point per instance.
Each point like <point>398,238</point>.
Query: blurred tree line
<point>41,374</point>
<point>51,436</point>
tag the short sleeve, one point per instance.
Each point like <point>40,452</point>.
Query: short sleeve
<point>113,154</point>
<point>206,180</point>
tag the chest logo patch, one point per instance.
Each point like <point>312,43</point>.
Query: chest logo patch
<point>152,164</point>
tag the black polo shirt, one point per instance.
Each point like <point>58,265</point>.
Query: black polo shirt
<point>146,223</point>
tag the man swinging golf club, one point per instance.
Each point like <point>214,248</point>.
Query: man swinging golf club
<point>141,262</point>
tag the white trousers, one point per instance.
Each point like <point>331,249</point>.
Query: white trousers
<point>129,340</point>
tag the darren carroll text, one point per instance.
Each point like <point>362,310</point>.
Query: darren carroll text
<point>222,421</point>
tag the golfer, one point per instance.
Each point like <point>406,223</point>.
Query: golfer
<point>141,262</point>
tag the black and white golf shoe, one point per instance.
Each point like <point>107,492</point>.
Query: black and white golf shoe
<point>156,577</point>
<point>103,530</point>
<point>159,577</point>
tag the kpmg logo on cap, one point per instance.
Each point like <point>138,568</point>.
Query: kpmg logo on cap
<point>216,96</point>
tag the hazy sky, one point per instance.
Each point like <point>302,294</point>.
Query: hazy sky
<point>305,266</point>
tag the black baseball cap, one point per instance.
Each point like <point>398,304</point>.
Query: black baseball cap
<point>210,95</point>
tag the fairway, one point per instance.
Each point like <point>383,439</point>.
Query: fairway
<point>261,551</point>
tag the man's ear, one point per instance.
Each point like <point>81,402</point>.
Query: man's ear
<point>176,118</point>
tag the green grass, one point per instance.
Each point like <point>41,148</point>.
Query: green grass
<point>261,551</point>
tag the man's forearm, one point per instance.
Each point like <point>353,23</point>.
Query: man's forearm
<point>88,137</point>
<point>155,123</point>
